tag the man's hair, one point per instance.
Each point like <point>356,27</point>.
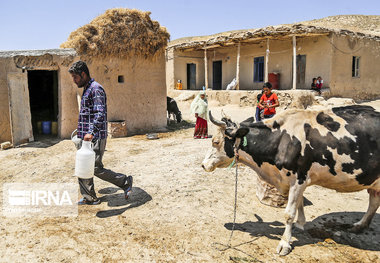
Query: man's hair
<point>79,67</point>
<point>267,85</point>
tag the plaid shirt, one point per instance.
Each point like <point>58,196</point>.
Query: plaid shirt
<point>93,111</point>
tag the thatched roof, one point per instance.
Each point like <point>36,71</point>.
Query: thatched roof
<point>119,32</point>
<point>360,26</point>
<point>38,53</point>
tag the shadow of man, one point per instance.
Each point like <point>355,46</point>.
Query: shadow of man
<point>118,203</point>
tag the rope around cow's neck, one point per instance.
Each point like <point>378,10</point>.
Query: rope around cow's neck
<point>245,143</point>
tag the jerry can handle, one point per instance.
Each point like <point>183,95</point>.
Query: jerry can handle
<point>72,134</point>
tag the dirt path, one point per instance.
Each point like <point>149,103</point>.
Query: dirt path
<point>177,212</point>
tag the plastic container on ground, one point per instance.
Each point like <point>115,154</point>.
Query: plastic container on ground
<point>54,128</point>
<point>39,127</point>
<point>46,127</point>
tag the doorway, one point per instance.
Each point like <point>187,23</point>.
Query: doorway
<point>217,75</point>
<point>43,97</point>
<point>301,69</point>
<point>191,76</point>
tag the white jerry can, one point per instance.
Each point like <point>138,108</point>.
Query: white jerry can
<point>85,161</point>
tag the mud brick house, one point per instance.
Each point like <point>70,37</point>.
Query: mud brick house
<point>125,52</point>
<point>343,50</point>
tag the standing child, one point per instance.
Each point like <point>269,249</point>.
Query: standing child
<point>269,101</point>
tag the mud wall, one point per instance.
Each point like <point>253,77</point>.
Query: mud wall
<point>169,69</point>
<point>68,107</point>
<point>5,127</point>
<point>318,53</point>
<point>67,102</point>
<point>343,84</point>
<point>140,99</point>
<point>289,99</point>
<point>177,68</point>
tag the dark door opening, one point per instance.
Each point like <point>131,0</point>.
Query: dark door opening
<point>217,75</point>
<point>191,76</point>
<point>301,70</point>
<point>43,96</point>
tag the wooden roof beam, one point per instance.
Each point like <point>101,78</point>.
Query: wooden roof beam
<point>232,41</point>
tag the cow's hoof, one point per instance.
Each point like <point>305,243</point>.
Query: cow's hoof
<point>283,248</point>
<point>357,228</point>
<point>299,226</point>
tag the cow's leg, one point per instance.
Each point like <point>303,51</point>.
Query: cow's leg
<point>374,203</point>
<point>301,219</point>
<point>295,197</point>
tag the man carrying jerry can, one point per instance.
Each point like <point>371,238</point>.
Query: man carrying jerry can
<point>92,126</point>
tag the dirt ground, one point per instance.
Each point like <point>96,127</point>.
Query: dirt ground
<point>177,212</point>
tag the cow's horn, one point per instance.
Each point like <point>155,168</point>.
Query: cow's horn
<point>216,122</point>
<point>223,114</point>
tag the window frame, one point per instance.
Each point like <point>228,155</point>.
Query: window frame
<point>258,69</point>
<point>120,79</point>
<point>356,67</point>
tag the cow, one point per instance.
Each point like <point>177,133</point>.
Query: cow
<point>337,148</point>
<point>172,109</point>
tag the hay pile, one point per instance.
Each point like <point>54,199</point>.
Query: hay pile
<point>119,32</point>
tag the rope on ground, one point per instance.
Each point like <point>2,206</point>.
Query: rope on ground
<point>229,245</point>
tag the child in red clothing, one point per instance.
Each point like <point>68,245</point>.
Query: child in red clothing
<point>319,83</point>
<point>315,87</point>
<point>269,101</point>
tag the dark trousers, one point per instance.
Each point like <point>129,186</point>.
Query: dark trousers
<point>87,188</point>
<point>317,90</point>
<point>258,114</point>
<point>268,116</point>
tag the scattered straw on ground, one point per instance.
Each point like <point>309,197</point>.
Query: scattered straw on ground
<point>119,32</point>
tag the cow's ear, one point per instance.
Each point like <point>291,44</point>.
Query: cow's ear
<point>241,132</point>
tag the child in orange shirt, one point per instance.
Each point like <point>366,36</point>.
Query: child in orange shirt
<point>269,101</point>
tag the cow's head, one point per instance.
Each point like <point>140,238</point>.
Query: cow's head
<point>222,152</point>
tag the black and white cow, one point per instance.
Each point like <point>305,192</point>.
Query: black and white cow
<point>172,109</point>
<point>337,148</point>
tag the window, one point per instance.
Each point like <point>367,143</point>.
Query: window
<point>258,69</point>
<point>120,79</point>
<point>355,67</point>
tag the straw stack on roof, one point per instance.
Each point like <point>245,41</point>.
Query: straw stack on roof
<point>119,32</point>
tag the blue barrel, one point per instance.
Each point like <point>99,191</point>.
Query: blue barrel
<point>46,127</point>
